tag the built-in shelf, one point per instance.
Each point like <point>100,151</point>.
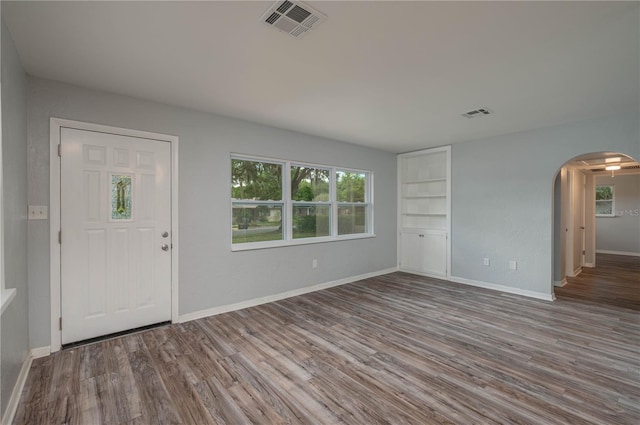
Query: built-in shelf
<point>426,214</point>
<point>439,179</point>
<point>425,196</point>
<point>424,203</point>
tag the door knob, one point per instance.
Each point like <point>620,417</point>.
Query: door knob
<point>165,234</point>
<point>165,247</point>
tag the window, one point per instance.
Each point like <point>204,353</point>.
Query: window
<point>605,201</point>
<point>257,202</point>
<point>277,203</point>
<point>351,195</point>
<point>311,202</point>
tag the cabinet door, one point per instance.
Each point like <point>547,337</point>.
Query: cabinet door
<point>424,251</point>
<point>411,251</point>
<point>434,248</point>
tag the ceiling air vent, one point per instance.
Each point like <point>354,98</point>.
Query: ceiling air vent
<point>477,113</point>
<point>292,17</point>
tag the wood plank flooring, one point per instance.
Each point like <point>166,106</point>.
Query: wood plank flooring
<point>396,349</point>
<point>614,281</point>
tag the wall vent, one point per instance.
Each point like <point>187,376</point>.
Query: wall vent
<point>477,113</point>
<point>292,17</point>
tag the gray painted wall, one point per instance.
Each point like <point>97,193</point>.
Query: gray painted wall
<point>622,232</point>
<point>502,193</point>
<point>210,274</point>
<point>15,328</point>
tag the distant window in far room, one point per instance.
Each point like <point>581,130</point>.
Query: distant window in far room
<point>605,201</point>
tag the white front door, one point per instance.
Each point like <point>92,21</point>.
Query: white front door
<point>115,241</point>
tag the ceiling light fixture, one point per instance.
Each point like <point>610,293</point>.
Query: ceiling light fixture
<point>613,169</point>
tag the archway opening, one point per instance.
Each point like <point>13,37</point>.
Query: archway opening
<point>596,229</point>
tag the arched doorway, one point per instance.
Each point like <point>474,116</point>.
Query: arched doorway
<point>589,225</point>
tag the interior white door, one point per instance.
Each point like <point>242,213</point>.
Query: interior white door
<point>115,240</point>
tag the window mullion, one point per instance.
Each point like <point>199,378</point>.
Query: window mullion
<point>288,205</point>
<point>334,204</point>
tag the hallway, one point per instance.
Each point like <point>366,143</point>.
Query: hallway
<point>614,281</point>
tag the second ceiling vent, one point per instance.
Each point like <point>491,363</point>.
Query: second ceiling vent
<point>292,17</point>
<point>477,113</point>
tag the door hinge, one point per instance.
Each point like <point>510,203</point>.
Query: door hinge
<point>584,252</point>
<point>60,150</point>
<point>60,237</point>
<point>60,323</point>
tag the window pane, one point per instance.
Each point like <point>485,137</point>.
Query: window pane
<point>604,193</point>
<point>604,208</point>
<point>309,184</point>
<point>310,221</point>
<point>352,219</point>
<point>351,186</point>
<point>256,180</point>
<point>256,223</point>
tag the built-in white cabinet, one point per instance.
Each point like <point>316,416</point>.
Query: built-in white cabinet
<point>424,206</point>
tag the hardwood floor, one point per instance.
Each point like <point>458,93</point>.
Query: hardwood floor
<point>397,349</point>
<point>614,281</point>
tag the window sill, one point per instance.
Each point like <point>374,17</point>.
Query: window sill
<point>5,298</point>
<point>309,241</point>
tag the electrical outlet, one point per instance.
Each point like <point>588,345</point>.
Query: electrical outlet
<point>513,265</point>
<point>38,212</point>
<point>486,261</point>
<point>314,263</point>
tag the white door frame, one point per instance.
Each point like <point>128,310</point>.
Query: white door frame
<point>55,126</point>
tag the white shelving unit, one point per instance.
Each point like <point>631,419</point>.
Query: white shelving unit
<point>424,206</point>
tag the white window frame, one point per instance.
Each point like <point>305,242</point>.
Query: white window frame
<point>613,201</point>
<point>328,203</point>
<point>6,295</point>
<point>287,212</point>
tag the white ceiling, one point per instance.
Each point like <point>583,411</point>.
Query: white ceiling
<point>391,75</point>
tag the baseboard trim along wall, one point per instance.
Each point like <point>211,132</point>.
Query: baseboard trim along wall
<point>606,251</point>
<point>560,283</point>
<point>12,406</point>
<point>36,353</point>
<point>502,288</point>
<point>277,297</point>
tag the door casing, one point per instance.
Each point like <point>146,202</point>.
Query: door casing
<point>55,126</point>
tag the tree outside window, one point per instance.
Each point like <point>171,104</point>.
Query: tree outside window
<point>321,202</point>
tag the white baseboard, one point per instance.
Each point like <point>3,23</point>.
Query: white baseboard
<point>277,297</point>
<point>14,400</point>
<point>576,272</point>
<point>503,288</point>
<point>36,353</point>
<point>589,265</point>
<point>560,283</point>
<point>607,251</point>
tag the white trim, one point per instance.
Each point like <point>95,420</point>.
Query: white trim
<point>277,297</point>
<point>36,353</point>
<point>589,265</point>
<point>576,272</point>
<point>447,229</point>
<point>250,246</point>
<point>14,400</point>
<point>503,288</point>
<point>6,295</point>
<point>288,203</point>
<point>608,251</point>
<point>560,283</point>
<point>55,126</point>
